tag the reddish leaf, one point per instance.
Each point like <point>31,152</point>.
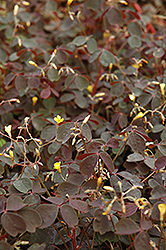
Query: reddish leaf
<point>31,217</point>
<point>126,226</point>
<point>20,83</point>
<point>113,143</point>
<point>13,223</point>
<point>131,208</point>
<point>136,142</point>
<point>5,246</point>
<point>160,163</point>
<point>55,92</point>
<point>67,188</point>
<point>100,223</point>
<point>123,120</point>
<point>8,79</point>
<point>107,161</point>
<point>135,157</point>
<point>142,133</point>
<point>56,200</point>
<point>79,205</point>
<point>48,213</point>
<point>94,146</point>
<point>83,156</point>
<point>158,192</point>
<point>45,93</point>
<point>69,215</point>
<point>145,224</point>
<point>14,203</point>
<point>34,82</point>
<point>88,164</point>
<point>142,241</point>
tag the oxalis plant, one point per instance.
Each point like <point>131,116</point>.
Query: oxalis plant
<point>82,131</point>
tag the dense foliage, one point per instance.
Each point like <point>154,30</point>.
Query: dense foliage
<point>82,115</point>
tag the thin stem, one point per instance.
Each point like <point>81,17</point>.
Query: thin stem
<point>61,236</point>
<point>93,240</point>
<point>119,150</point>
<point>48,193</point>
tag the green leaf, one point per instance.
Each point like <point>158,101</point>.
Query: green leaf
<point>79,40</point>
<point>53,74</point>
<point>23,185</point>
<point>49,132</point>
<point>81,102</point>
<point>134,41</point>
<point>106,58</point>
<point>134,28</point>
<point>81,82</point>
<point>54,147</point>
<point>158,53</point>
<point>91,45</point>
<point>64,131</point>
<point>38,123</point>
<point>114,16</point>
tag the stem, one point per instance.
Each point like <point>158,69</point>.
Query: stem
<point>162,232</point>
<point>84,229</point>
<point>93,240</point>
<point>96,82</point>
<point>74,239</point>
<point>48,193</point>
<point>61,236</point>
<point>119,150</point>
<point>82,138</point>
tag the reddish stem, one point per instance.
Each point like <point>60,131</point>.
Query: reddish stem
<point>74,239</point>
<point>97,79</point>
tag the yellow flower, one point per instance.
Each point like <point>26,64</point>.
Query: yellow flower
<point>58,119</point>
<point>57,166</point>
<point>90,88</point>
<point>34,100</point>
<point>33,63</point>
<point>162,87</point>
<point>8,130</point>
<point>162,209</point>
<point>11,155</point>
<point>69,2</point>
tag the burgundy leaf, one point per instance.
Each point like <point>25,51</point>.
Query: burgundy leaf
<point>142,241</point>
<point>79,205</point>
<point>13,223</point>
<point>107,161</point>
<point>126,226</point>
<point>160,163</point>
<point>69,215</point>
<point>48,212</point>
<point>88,164</point>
